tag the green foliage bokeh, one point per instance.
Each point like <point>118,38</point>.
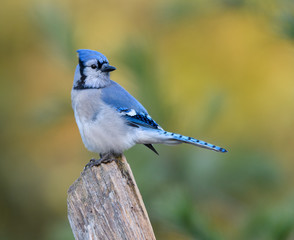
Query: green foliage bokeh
<point>219,70</point>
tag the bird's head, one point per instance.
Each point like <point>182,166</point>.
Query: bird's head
<point>92,71</point>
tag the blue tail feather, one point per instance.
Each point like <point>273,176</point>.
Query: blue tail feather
<point>193,141</point>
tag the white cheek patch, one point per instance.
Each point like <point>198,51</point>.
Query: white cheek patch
<point>94,78</point>
<point>90,72</point>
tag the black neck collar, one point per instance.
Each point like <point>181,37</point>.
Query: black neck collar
<point>83,87</point>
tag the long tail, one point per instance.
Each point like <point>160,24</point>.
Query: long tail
<point>174,138</point>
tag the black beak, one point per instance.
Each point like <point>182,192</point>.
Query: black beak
<point>107,68</point>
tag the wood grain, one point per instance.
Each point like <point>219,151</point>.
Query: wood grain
<point>105,203</point>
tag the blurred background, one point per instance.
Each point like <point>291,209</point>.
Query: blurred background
<point>218,70</point>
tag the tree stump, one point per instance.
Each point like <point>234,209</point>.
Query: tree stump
<point>105,203</point>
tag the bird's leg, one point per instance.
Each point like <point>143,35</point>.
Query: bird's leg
<point>104,158</point>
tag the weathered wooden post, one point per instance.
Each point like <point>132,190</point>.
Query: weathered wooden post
<point>105,203</point>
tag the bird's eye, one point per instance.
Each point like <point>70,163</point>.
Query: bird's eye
<point>93,66</point>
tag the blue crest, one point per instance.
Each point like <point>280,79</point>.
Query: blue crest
<point>86,55</point>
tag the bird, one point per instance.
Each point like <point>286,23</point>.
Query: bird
<point>110,119</point>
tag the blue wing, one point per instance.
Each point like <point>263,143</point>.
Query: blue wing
<point>117,97</point>
<point>129,108</point>
<point>136,119</point>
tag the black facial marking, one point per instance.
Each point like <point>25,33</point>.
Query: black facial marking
<point>81,81</point>
<point>82,67</point>
<point>99,64</point>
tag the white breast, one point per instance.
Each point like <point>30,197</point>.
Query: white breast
<point>101,127</point>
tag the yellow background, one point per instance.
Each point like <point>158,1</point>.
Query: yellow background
<point>219,70</point>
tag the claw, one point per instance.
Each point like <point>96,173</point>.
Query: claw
<point>96,162</point>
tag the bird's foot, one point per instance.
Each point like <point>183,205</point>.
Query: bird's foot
<point>96,162</point>
<point>107,158</point>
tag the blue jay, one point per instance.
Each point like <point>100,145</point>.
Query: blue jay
<point>111,120</point>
